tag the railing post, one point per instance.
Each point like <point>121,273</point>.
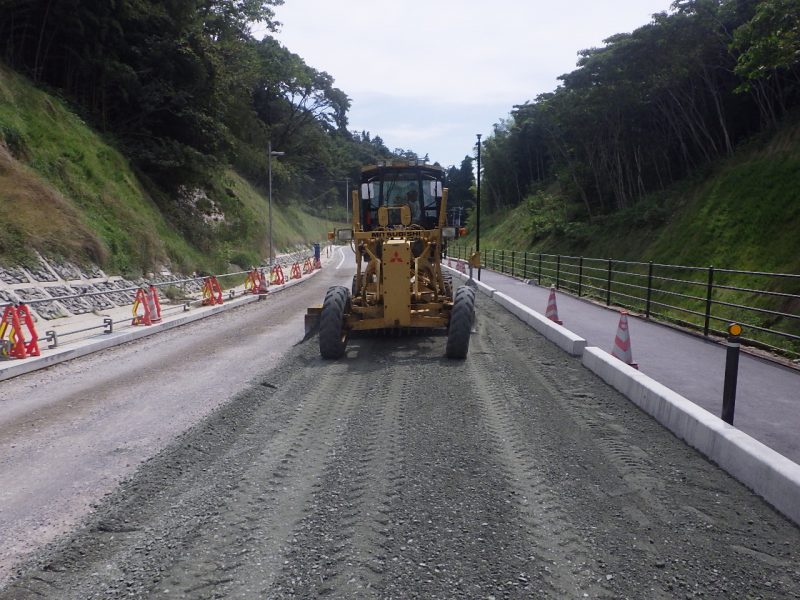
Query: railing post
<point>513,256</point>
<point>558,272</point>
<point>494,259</point>
<point>580,276</point>
<point>608,285</point>
<point>731,372</point>
<point>649,289</point>
<point>52,339</point>
<point>525,267</point>
<point>540,268</point>
<point>503,261</point>
<point>710,289</point>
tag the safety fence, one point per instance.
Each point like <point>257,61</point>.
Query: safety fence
<point>19,338</point>
<point>704,299</point>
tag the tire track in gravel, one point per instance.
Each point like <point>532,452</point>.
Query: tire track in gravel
<point>455,532</point>
<point>262,513</point>
<point>560,548</point>
<point>192,520</point>
<point>339,548</point>
<point>566,458</point>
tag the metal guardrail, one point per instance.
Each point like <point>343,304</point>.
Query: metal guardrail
<point>52,337</point>
<point>706,299</point>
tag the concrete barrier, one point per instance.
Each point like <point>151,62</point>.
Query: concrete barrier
<point>560,336</point>
<point>768,473</point>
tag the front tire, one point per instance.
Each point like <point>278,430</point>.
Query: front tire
<point>462,318</point>
<point>332,333</point>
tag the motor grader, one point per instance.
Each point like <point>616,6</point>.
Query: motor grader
<point>399,234</point>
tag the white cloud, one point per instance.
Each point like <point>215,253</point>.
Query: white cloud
<point>456,57</point>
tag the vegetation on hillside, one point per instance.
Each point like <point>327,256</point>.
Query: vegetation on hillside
<point>646,111</point>
<point>185,93</point>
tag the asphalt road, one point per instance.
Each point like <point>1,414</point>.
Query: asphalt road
<point>396,473</point>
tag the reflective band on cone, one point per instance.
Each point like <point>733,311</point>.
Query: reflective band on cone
<point>552,307</point>
<point>622,343</point>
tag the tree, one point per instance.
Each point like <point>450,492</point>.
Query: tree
<point>460,183</point>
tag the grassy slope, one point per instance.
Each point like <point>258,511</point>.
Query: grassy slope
<point>84,181</point>
<point>65,192</point>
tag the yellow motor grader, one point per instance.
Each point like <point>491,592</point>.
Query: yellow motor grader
<point>399,234</point>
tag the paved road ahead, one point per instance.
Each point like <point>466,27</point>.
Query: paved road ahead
<point>768,399</point>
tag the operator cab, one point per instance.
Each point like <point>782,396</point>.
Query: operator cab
<point>401,183</point>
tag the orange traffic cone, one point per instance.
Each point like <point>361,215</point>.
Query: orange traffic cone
<point>552,308</point>
<point>622,343</point>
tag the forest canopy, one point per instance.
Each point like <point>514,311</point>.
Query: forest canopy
<point>184,88</point>
<point>649,108</point>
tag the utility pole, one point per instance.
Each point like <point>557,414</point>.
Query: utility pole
<point>270,154</point>
<point>478,207</point>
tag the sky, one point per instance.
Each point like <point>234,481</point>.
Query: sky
<point>430,75</point>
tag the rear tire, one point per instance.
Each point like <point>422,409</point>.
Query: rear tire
<point>462,318</point>
<point>332,334</point>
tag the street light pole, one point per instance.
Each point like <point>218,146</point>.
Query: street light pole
<point>346,196</point>
<point>270,154</point>
<point>478,218</point>
<point>347,199</point>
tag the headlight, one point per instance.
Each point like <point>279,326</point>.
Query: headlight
<point>344,235</point>
<point>449,233</point>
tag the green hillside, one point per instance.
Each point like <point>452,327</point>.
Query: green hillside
<point>67,192</point>
<point>743,214</point>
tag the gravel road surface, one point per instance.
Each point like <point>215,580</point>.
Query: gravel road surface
<point>396,473</point>
<point>69,433</point>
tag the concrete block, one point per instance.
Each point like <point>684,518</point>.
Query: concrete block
<point>479,285</point>
<point>768,473</point>
<point>561,336</point>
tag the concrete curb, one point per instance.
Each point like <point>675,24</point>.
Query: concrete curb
<point>768,473</point>
<point>560,336</point>
<point>106,340</point>
<point>480,286</point>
